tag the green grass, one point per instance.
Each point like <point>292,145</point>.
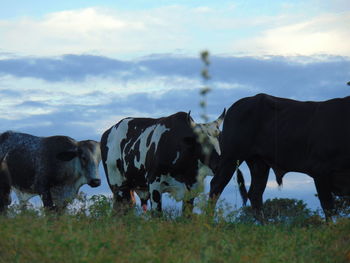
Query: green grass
<point>130,238</point>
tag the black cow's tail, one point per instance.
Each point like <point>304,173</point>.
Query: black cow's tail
<point>279,180</point>
<point>241,187</point>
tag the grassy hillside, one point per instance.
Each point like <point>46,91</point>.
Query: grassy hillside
<point>101,237</point>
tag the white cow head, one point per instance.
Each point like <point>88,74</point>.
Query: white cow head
<point>86,158</point>
<point>208,134</point>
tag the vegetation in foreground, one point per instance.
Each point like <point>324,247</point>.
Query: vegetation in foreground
<point>91,233</point>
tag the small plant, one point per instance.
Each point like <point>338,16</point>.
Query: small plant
<point>205,89</point>
<point>342,206</point>
<point>282,211</point>
<point>100,206</point>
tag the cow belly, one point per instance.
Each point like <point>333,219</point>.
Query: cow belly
<point>341,184</point>
<point>176,189</point>
<point>62,195</point>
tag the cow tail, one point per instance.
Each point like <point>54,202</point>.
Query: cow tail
<point>279,180</point>
<point>241,187</point>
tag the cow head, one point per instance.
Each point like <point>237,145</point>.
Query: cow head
<point>86,157</point>
<point>208,136</point>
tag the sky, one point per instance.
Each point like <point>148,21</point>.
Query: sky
<point>78,67</point>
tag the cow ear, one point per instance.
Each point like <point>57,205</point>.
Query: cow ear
<point>67,156</point>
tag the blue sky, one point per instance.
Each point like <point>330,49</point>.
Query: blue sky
<point>78,67</point>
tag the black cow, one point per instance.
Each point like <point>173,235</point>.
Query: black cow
<point>152,156</point>
<point>52,167</point>
<point>287,135</point>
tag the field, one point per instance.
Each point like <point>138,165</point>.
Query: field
<point>100,236</point>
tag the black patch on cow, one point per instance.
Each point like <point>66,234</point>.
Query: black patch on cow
<point>67,156</point>
<point>119,165</point>
<point>156,196</point>
<point>190,141</point>
<point>137,150</point>
<point>104,150</point>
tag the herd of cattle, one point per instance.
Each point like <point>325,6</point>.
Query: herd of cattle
<point>152,156</point>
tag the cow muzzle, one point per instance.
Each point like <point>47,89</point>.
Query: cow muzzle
<point>94,182</point>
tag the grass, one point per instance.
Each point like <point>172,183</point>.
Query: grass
<point>102,237</point>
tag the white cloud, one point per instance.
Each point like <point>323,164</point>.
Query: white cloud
<point>92,30</point>
<point>325,34</point>
<point>168,29</point>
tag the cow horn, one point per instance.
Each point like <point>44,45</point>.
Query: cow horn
<point>221,117</point>
<point>190,121</point>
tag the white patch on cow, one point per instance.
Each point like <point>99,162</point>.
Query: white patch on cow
<point>23,197</point>
<point>175,188</point>
<point>176,157</point>
<point>115,136</point>
<point>158,131</point>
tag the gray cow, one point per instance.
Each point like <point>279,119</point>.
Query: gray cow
<point>53,167</point>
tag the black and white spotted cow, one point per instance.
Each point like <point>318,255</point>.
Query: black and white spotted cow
<point>152,156</point>
<point>53,167</point>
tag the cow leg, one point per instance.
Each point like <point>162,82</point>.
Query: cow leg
<point>259,174</point>
<point>187,206</point>
<point>42,187</point>
<point>323,187</point>
<point>47,199</point>
<point>132,198</point>
<point>221,178</point>
<point>144,196</point>
<point>156,196</point>
<point>123,199</point>
<point>5,186</point>
<point>5,197</point>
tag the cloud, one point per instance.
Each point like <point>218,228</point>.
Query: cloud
<point>322,34</point>
<point>223,29</point>
<point>166,72</point>
<point>66,67</point>
<point>83,95</point>
<point>99,30</point>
